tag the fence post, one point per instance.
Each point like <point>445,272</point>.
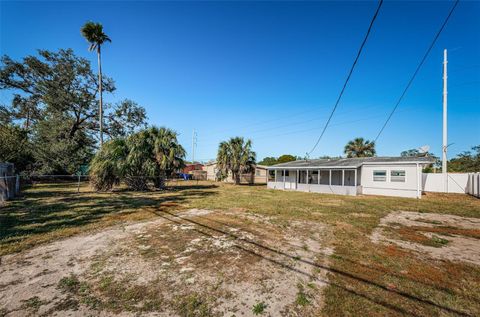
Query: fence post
<point>78,187</point>
<point>17,184</point>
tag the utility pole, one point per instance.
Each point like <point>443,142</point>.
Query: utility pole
<point>194,144</point>
<point>444,147</point>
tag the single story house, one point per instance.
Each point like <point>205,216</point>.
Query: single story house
<point>388,176</point>
<point>259,176</point>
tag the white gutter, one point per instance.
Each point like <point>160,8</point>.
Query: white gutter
<point>348,167</point>
<point>310,167</point>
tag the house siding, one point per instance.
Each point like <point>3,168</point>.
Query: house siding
<point>388,188</point>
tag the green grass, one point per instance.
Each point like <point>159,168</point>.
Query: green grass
<point>259,308</point>
<point>365,279</point>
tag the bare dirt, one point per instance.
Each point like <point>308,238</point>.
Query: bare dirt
<point>194,263</point>
<point>459,237</point>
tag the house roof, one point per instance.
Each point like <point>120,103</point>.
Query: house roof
<point>352,162</point>
<point>256,166</point>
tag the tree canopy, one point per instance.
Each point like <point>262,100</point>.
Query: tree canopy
<point>54,103</point>
<point>360,148</point>
<point>270,160</point>
<point>466,162</point>
<point>235,156</point>
<point>147,156</point>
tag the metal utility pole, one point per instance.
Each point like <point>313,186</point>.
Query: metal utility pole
<point>194,144</point>
<point>444,147</point>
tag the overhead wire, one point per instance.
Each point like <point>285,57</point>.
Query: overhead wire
<point>437,35</point>
<point>348,77</point>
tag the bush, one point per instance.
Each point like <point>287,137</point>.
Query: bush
<point>146,156</point>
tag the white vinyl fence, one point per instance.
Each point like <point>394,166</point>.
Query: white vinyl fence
<point>473,187</point>
<point>459,183</point>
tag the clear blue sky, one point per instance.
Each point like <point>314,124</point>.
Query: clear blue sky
<point>271,71</point>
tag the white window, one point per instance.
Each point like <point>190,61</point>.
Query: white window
<point>379,176</point>
<point>287,173</point>
<point>397,176</point>
<point>257,173</point>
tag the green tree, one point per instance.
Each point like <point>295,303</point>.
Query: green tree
<point>15,147</point>
<point>93,33</point>
<point>360,148</point>
<point>55,102</point>
<point>149,155</point>
<point>286,158</point>
<point>55,151</point>
<point>125,118</point>
<point>466,162</point>
<point>108,165</point>
<point>268,161</point>
<point>235,156</point>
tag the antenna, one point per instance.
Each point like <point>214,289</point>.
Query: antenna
<point>424,149</point>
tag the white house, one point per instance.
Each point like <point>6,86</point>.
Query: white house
<point>388,176</point>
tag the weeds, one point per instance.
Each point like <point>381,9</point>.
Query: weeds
<point>33,304</point>
<point>259,308</point>
<point>69,284</point>
<point>193,306</point>
<point>302,298</point>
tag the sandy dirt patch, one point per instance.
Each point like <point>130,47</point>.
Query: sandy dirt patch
<point>194,263</point>
<point>439,236</point>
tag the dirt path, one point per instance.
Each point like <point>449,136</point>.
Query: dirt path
<point>197,263</point>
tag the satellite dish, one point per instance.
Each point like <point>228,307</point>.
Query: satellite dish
<point>424,149</point>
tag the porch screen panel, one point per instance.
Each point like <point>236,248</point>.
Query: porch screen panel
<point>313,177</point>
<point>349,178</point>
<point>302,177</point>
<point>337,177</point>
<point>324,177</point>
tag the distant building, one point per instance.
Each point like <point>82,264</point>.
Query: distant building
<point>258,176</point>
<point>192,167</point>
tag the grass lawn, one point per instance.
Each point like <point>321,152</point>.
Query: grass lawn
<point>364,278</point>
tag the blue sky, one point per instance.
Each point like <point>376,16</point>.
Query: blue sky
<point>271,71</point>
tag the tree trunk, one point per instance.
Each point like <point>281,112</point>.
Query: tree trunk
<point>100,108</point>
<point>236,178</point>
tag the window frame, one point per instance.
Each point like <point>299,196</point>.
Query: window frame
<point>398,178</point>
<point>377,178</point>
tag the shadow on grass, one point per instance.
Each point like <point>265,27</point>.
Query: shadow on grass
<point>267,253</point>
<point>51,207</point>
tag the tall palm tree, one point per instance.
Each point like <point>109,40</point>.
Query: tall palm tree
<point>235,156</point>
<point>360,148</point>
<point>93,33</point>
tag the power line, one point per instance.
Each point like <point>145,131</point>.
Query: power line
<point>418,69</point>
<point>348,77</point>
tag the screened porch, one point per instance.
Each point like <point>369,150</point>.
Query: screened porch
<point>343,181</point>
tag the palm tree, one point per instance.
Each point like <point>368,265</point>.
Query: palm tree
<point>149,155</point>
<point>169,154</point>
<point>108,165</point>
<point>360,148</point>
<point>235,156</point>
<point>93,33</point>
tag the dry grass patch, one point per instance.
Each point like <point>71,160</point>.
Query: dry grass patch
<point>254,241</point>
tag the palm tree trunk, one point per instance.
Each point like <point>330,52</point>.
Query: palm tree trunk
<point>100,110</point>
